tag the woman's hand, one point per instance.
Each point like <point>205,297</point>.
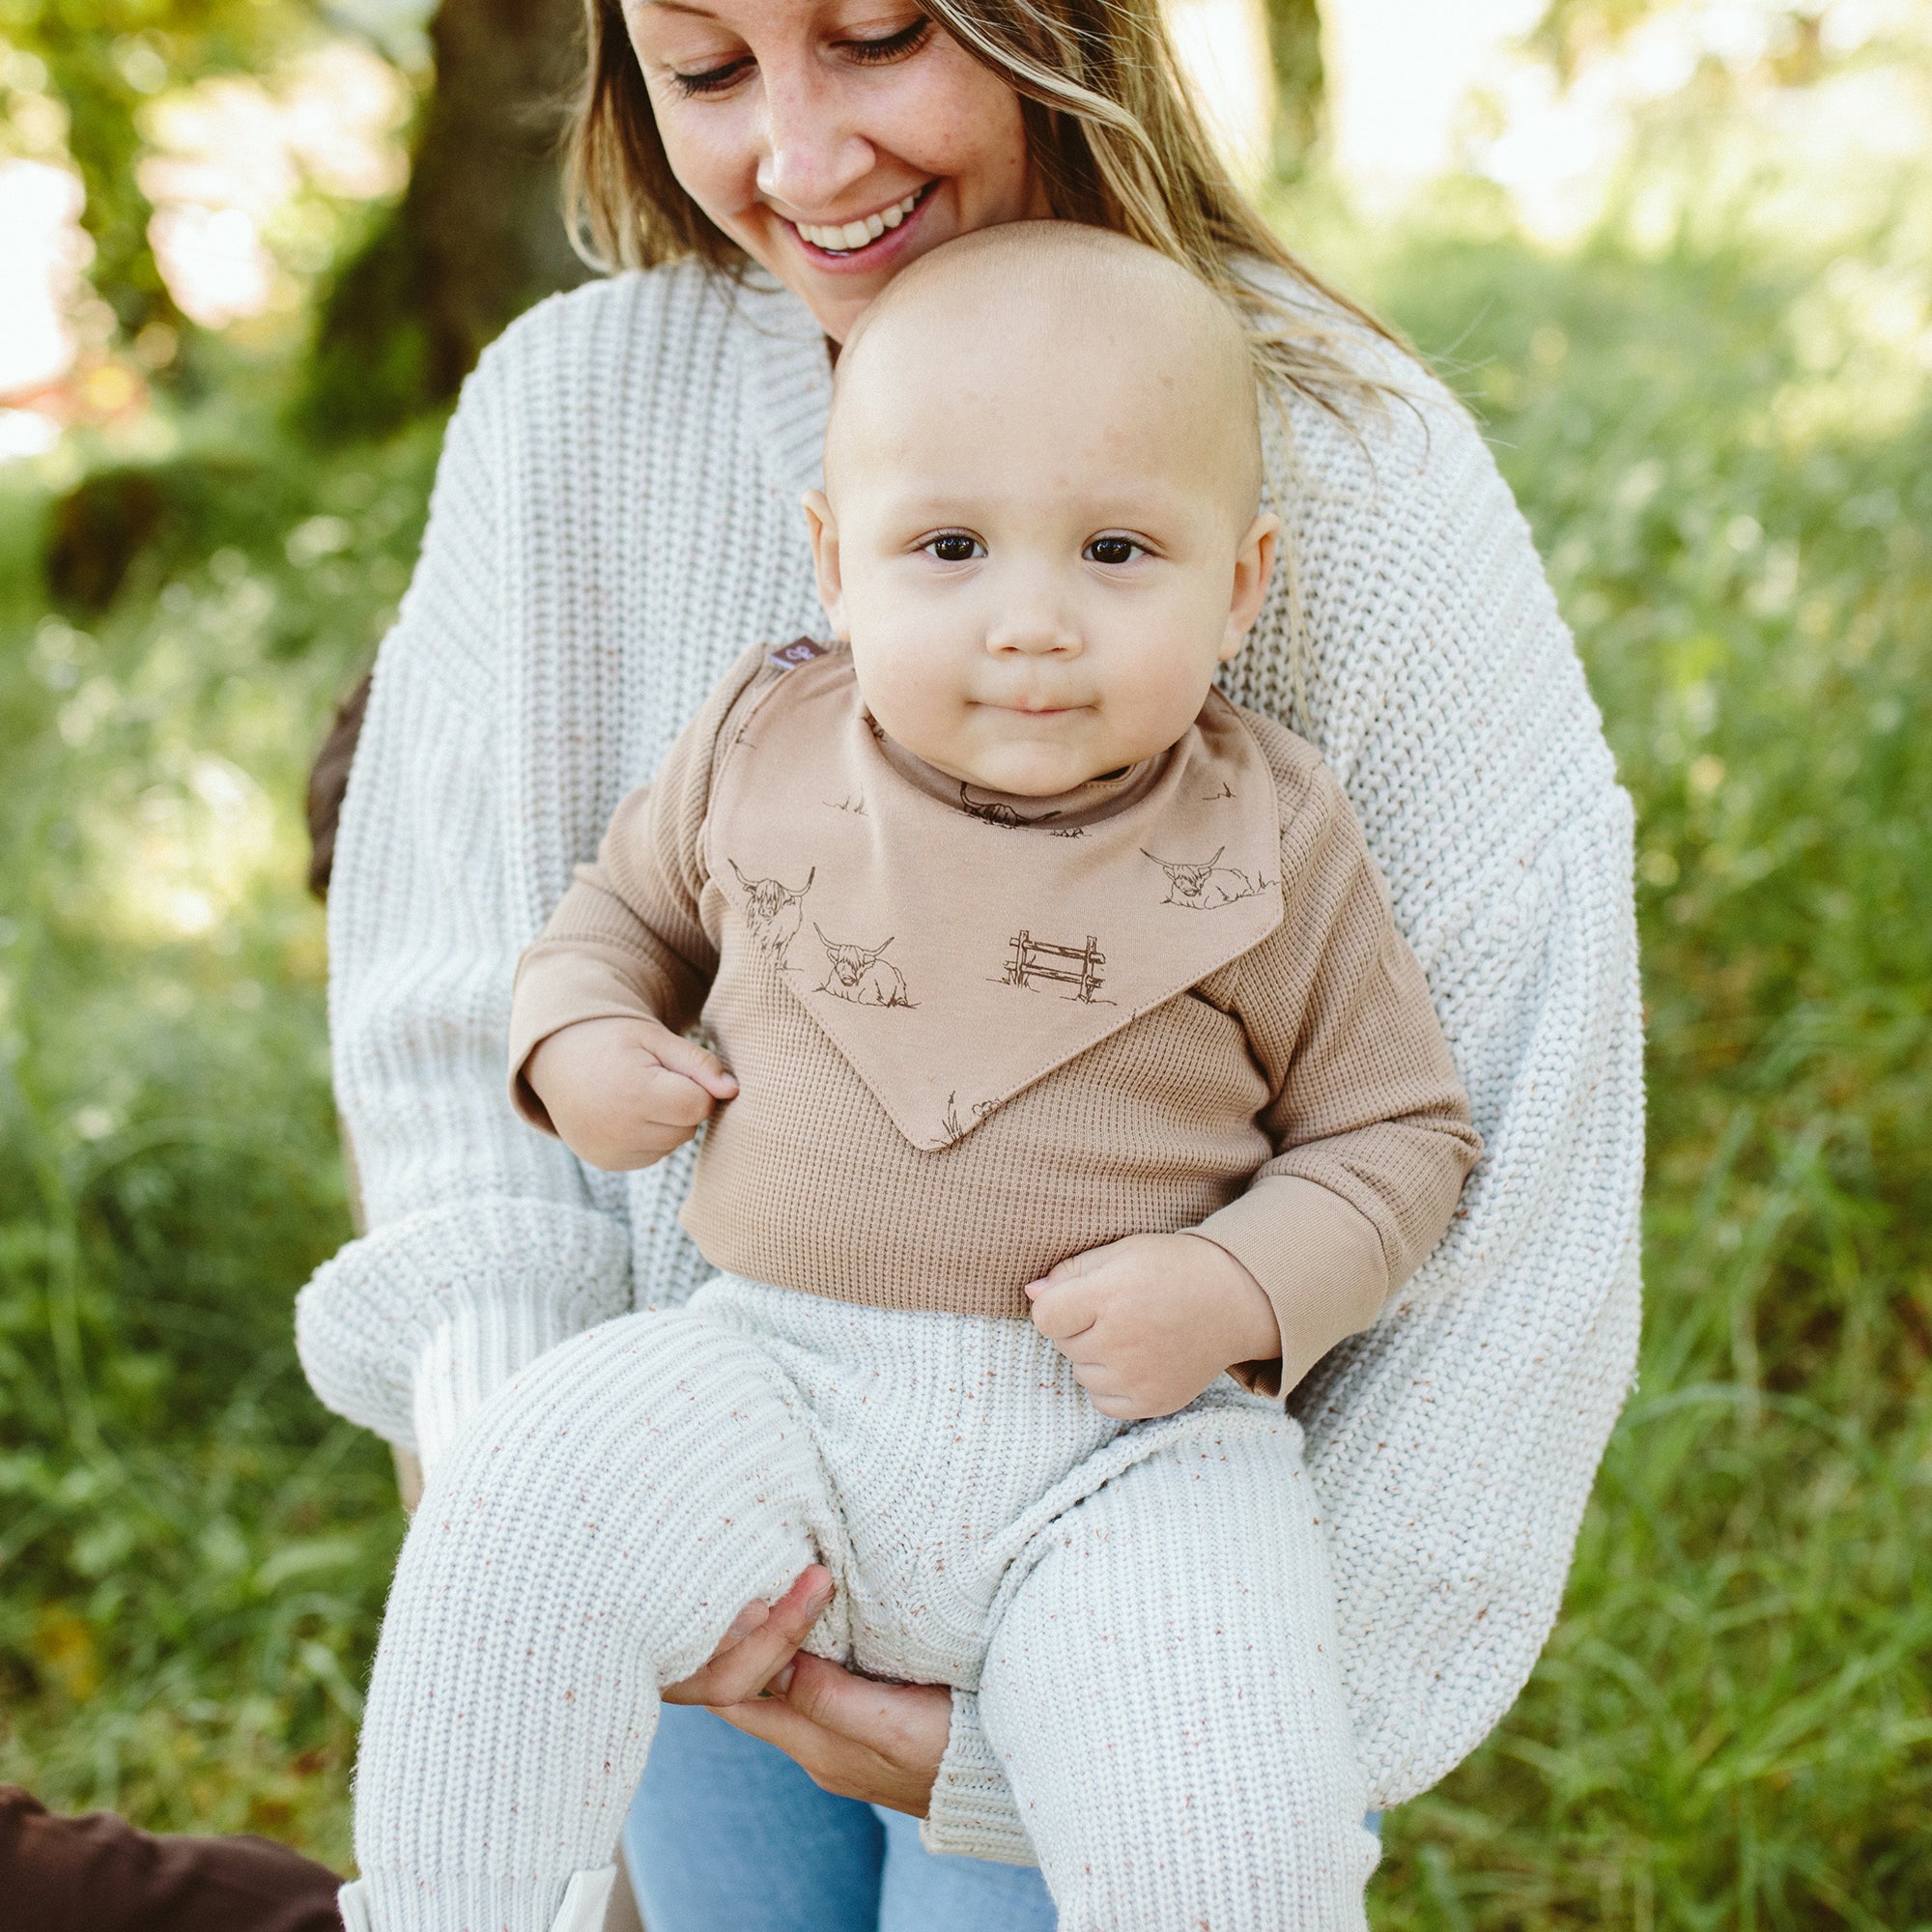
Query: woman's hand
<point>879,1742</point>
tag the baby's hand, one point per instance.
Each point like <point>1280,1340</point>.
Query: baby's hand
<point>1149,1322</point>
<point>623,1093</point>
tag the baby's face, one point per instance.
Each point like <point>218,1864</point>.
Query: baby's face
<point>1038,555</point>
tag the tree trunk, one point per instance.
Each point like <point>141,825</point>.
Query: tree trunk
<point>1294,39</point>
<point>478,234</point>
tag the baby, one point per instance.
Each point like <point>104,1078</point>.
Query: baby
<point>1073,1095</point>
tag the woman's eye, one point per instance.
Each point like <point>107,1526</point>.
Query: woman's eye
<point>1112,550</point>
<point>954,547</point>
<point>709,80</point>
<point>892,47</point>
<point>881,52</point>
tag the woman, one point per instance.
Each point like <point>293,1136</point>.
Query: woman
<point>616,517</point>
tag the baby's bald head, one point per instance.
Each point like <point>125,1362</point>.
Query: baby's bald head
<point>1040,528</point>
<point>1058,323</point>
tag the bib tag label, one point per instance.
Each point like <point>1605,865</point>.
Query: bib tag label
<point>800,652</point>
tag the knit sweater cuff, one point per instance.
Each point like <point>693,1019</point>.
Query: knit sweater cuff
<point>392,1902</point>
<point>1319,1261</point>
<point>410,1329</point>
<point>973,1813</point>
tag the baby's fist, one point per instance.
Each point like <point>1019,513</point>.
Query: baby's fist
<point>623,1093</point>
<point>1148,1323</point>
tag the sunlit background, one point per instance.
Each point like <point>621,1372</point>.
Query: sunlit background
<point>251,177</point>
<point>1674,255</point>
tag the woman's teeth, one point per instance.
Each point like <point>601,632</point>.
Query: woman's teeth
<point>851,235</point>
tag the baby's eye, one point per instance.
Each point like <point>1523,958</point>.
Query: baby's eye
<point>1113,549</point>
<point>954,547</point>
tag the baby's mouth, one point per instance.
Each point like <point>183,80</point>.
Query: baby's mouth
<point>851,237</point>
<point>1021,707</point>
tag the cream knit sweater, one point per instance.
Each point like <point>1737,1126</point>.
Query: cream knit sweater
<point>616,519</point>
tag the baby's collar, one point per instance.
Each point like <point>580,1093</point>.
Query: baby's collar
<point>1087,804</point>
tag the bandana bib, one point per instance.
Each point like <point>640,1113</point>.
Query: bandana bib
<point>957,947</point>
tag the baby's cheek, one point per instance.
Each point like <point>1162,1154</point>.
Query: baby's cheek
<point>1156,699</point>
<point>917,693</point>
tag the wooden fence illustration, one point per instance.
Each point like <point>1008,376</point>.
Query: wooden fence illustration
<point>1082,972</point>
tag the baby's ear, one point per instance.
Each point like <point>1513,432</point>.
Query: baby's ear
<point>1254,567</point>
<point>824,526</point>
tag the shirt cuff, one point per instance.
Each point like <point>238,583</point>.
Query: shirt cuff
<point>1319,1261</point>
<point>558,986</point>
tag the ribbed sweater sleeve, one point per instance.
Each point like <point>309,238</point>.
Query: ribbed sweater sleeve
<point>484,1248</point>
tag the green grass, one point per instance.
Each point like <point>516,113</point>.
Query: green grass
<point>1733,1723</point>
<point>1730,1727</point>
<point>196,1554</point>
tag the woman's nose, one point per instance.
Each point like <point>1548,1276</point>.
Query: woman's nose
<point>811,151</point>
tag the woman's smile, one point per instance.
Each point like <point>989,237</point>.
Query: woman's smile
<point>833,140</point>
<point>867,243</point>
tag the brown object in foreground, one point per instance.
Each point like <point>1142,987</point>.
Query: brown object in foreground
<point>98,1874</point>
<point>329,781</point>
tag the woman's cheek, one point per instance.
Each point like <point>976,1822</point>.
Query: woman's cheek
<point>712,156</point>
<point>955,120</point>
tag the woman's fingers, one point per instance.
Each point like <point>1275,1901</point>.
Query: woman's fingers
<point>906,1723</point>
<point>757,1646</point>
<point>751,1617</point>
<point>879,1742</point>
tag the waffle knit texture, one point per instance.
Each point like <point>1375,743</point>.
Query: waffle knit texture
<point>616,519</point>
<point>1310,1058</point>
<point>1143,1611</point>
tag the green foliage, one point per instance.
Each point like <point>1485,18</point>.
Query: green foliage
<point>373,364</point>
<point>1294,43</point>
<point>1733,1724</point>
<point>195,1553</point>
<point>105,59</point>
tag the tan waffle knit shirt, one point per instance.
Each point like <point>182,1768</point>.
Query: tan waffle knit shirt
<point>975,1035</point>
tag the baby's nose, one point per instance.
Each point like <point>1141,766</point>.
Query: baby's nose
<point>1037,630</point>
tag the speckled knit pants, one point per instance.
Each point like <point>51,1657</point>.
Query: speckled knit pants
<point>1144,1612</point>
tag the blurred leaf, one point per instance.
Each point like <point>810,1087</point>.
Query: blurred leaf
<point>106,60</point>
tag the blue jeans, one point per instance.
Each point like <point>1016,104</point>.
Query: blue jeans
<point>727,1835</point>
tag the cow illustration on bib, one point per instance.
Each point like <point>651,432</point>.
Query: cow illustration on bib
<point>860,974</point>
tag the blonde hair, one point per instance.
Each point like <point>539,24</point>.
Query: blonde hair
<point>1112,128</point>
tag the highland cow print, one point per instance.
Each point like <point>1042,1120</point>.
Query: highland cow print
<point>997,812</point>
<point>860,975</point>
<point>772,910</point>
<point>1202,885</point>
